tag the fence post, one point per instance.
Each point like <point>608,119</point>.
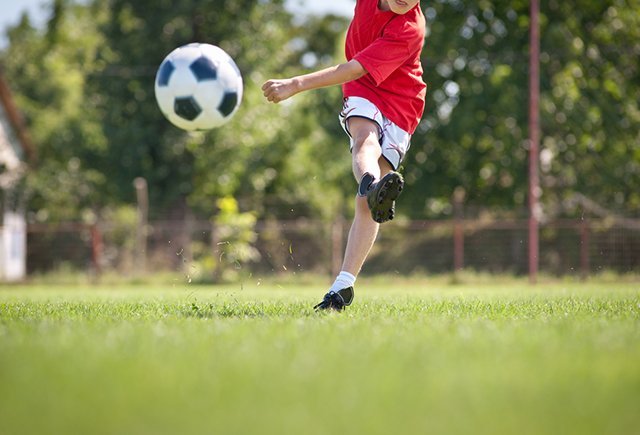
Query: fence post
<point>96,249</point>
<point>337,230</point>
<point>584,250</point>
<point>458,228</point>
<point>534,140</point>
<point>142,196</point>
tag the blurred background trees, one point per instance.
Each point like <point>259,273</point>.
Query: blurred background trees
<point>474,133</point>
<point>85,84</point>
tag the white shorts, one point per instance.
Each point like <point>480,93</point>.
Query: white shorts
<point>394,141</point>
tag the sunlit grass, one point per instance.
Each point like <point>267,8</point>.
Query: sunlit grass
<point>410,356</point>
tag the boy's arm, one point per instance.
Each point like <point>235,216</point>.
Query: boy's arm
<point>277,90</point>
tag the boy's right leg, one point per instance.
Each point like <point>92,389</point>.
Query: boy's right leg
<point>381,195</point>
<point>379,183</point>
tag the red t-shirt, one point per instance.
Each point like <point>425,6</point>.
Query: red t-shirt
<point>388,46</point>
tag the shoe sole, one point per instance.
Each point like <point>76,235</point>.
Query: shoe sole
<point>386,192</point>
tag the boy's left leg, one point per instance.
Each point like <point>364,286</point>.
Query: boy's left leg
<point>362,236</point>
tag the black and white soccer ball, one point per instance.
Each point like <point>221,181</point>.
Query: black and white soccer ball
<point>198,87</point>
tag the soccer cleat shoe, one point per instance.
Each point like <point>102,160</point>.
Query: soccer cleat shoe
<point>381,196</point>
<point>336,300</point>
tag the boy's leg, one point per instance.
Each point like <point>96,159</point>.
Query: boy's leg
<point>366,158</point>
<point>362,236</point>
<point>366,153</point>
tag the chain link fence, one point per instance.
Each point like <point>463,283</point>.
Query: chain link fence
<point>215,252</point>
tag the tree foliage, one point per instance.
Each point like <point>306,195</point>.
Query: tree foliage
<point>85,83</point>
<point>86,86</point>
<point>474,133</point>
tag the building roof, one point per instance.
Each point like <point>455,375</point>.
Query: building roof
<point>16,120</point>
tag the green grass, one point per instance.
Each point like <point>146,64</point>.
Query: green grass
<point>424,357</point>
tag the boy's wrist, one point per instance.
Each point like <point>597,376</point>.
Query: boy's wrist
<point>298,85</point>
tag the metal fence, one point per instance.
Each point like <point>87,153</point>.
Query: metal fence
<point>567,247</point>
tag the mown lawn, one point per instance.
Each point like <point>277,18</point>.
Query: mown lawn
<point>408,357</point>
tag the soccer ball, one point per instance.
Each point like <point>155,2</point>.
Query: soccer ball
<point>198,87</point>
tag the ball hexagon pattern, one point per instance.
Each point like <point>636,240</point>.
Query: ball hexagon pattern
<point>198,87</point>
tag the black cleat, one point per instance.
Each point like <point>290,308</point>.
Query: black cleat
<point>381,196</point>
<point>336,300</point>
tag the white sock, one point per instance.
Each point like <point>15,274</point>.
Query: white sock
<point>343,280</point>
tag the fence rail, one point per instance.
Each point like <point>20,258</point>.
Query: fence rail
<point>567,247</point>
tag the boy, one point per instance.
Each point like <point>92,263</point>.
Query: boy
<point>383,102</point>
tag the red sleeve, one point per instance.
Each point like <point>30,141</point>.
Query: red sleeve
<point>391,50</point>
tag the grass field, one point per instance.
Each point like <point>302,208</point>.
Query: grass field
<point>420,356</point>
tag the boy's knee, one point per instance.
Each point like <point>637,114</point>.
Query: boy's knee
<point>364,132</point>
<point>365,141</point>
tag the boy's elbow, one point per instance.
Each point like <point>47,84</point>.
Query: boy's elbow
<point>362,72</point>
<point>357,70</point>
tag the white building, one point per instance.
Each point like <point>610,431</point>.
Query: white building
<point>16,151</point>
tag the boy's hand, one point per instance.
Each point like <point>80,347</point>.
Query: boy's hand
<point>277,90</point>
